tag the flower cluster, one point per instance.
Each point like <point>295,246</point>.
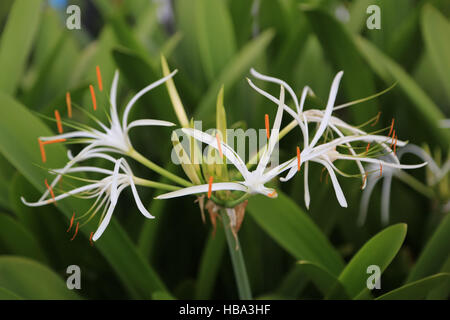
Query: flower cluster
<point>323,139</point>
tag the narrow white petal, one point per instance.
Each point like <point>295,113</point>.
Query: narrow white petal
<point>138,200</point>
<point>148,122</point>
<point>305,92</point>
<point>113,99</point>
<point>227,151</point>
<point>115,176</point>
<point>385,199</point>
<point>69,135</point>
<point>306,185</point>
<point>365,198</point>
<point>328,110</point>
<point>273,139</point>
<point>383,163</point>
<point>203,188</point>
<point>140,94</point>
<point>337,188</point>
<point>104,222</point>
<point>260,76</point>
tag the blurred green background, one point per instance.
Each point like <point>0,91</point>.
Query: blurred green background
<point>214,43</point>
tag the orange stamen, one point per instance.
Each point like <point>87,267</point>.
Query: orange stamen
<point>90,239</point>
<point>272,194</point>
<point>393,139</point>
<point>71,222</point>
<point>94,101</point>
<point>210,187</point>
<point>53,141</point>
<point>41,147</point>
<point>298,159</point>
<point>69,105</point>
<point>266,118</point>
<point>364,181</point>
<point>58,121</point>
<point>376,120</point>
<point>381,169</point>
<point>392,127</point>
<point>99,78</point>
<point>367,148</point>
<point>50,189</point>
<point>219,145</point>
<point>76,231</point>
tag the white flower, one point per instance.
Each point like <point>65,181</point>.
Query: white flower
<point>253,181</point>
<point>115,138</point>
<point>105,191</point>
<point>386,176</point>
<point>325,154</point>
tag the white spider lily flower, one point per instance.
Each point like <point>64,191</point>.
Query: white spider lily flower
<point>325,154</point>
<point>253,181</point>
<point>105,191</point>
<point>325,119</point>
<point>387,175</point>
<point>116,136</point>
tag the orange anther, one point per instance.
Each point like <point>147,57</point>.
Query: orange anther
<point>367,148</point>
<point>58,121</point>
<point>392,127</point>
<point>272,194</point>
<point>41,147</point>
<point>266,118</point>
<point>90,238</point>
<point>298,159</point>
<point>53,141</point>
<point>99,78</point>
<point>71,222</point>
<point>50,190</point>
<point>69,105</point>
<point>210,186</point>
<point>94,101</point>
<point>76,231</point>
<point>364,180</point>
<point>377,119</point>
<point>219,145</point>
<point>381,169</point>
<point>393,139</point>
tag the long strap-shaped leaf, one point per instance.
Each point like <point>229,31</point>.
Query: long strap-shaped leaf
<point>19,130</point>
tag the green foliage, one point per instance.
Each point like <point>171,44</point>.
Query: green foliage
<point>289,252</point>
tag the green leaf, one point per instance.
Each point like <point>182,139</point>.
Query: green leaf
<point>291,228</point>
<point>15,239</point>
<point>162,295</point>
<point>16,42</point>
<point>214,33</point>
<point>209,265</point>
<point>19,130</point>
<point>328,284</point>
<point>379,251</point>
<point>389,71</point>
<point>31,280</point>
<point>435,30</point>
<point>434,254</point>
<point>8,295</point>
<point>234,71</point>
<point>338,45</point>
<point>416,290</point>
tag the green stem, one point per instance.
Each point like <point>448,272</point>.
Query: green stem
<point>153,166</point>
<point>154,184</point>
<point>416,184</point>
<point>237,259</point>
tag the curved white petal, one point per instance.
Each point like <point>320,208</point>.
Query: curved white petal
<point>148,122</point>
<point>115,177</point>
<point>273,139</point>
<point>329,109</point>
<point>385,199</point>
<point>227,151</point>
<point>306,185</point>
<point>69,135</point>
<point>113,99</point>
<point>337,188</point>
<point>365,198</point>
<point>203,188</point>
<point>383,163</point>
<point>305,92</point>
<point>140,94</point>
<point>138,200</point>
